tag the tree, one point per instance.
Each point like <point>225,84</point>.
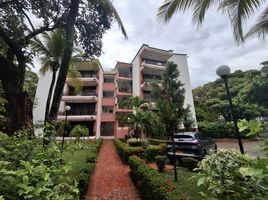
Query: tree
<point>237,11</point>
<point>17,30</point>
<point>51,52</point>
<point>89,35</point>
<point>170,101</point>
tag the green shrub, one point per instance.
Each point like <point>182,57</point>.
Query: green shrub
<point>124,151</point>
<point>217,130</point>
<point>190,163</point>
<point>160,161</point>
<point>29,171</point>
<point>79,131</point>
<point>152,150</point>
<point>150,183</point>
<point>231,175</point>
<point>135,142</point>
<point>156,141</point>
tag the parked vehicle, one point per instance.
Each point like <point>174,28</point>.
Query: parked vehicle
<point>190,144</point>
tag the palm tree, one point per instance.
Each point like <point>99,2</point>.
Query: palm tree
<point>237,10</point>
<point>51,52</point>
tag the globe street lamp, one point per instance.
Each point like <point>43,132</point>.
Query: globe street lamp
<point>66,108</point>
<point>224,71</point>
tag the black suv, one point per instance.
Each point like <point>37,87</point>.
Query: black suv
<point>190,144</point>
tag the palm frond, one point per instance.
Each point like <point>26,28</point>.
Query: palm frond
<point>38,47</point>
<point>199,10</point>
<point>45,65</point>
<point>74,75</point>
<point>260,29</point>
<point>169,7</point>
<point>238,11</point>
<point>110,6</point>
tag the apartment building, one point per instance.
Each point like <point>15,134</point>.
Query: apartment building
<point>104,91</point>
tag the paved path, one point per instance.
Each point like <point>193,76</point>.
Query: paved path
<point>110,179</point>
<point>252,148</point>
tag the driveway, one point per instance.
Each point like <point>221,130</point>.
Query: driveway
<point>250,147</point>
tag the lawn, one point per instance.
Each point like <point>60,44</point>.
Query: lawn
<point>185,184</point>
<point>78,158</point>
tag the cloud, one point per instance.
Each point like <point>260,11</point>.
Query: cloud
<point>208,47</point>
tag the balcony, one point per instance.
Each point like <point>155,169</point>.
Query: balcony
<point>88,116</point>
<point>90,80</point>
<point>108,101</point>
<point>121,91</point>
<point>149,65</point>
<point>107,117</point>
<point>108,86</point>
<point>83,97</point>
<point>147,84</point>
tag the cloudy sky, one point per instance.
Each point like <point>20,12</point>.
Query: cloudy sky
<point>207,47</point>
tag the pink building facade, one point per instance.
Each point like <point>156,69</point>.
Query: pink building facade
<point>103,92</point>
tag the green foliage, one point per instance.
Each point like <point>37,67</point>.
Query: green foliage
<point>156,141</point>
<point>160,161</point>
<point>217,130</point>
<point>79,131</point>
<point>152,150</point>
<point>231,175</point>
<point>248,90</point>
<point>135,142</point>
<point>189,163</point>
<point>254,126</point>
<point>170,99</point>
<point>28,171</point>
<point>124,151</point>
<point>84,176</point>
<point>150,183</point>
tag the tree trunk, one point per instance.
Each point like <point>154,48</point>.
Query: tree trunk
<point>49,96</point>
<point>20,104</point>
<point>67,54</point>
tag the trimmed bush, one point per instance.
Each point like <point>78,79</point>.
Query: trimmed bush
<point>151,184</point>
<point>160,161</point>
<point>190,163</point>
<point>153,150</point>
<point>125,151</point>
<point>136,142</point>
<point>156,141</point>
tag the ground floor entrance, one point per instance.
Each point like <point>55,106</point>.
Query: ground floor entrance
<point>107,128</point>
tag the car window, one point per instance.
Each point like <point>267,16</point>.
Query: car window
<point>183,137</point>
<point>201,136</point>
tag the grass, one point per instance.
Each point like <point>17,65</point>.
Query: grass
<point>77,158</point>
<point>185,185</point>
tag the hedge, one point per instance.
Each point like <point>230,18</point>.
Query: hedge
<point>84,176</point>
<point>156,141</point>
<point>125,151</point>
<point>151,184</point>
<point>152,150</point>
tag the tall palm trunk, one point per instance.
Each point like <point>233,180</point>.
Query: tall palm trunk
<point>66,59</point>
<point>49,97</point>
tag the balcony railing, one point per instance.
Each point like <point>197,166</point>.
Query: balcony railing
<point>78,113</point>
<point>153,62</point>
<point>93,93</point>
<point>88,75</point>
<point>125,90</point>
<point>125,75</point>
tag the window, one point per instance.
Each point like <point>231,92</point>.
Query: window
<point>107,109</point>
<point>108,79</point>
<point>108,94</point>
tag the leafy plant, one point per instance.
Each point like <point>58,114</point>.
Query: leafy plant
<point>254,126</point>
<point>160,161</point>
<point>231,175</point>
<point>153,150</point>
<point>134,142</point>
<point>29,171</point>
<point>79,131</point>
<point>189,163</point>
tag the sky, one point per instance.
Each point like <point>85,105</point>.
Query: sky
<point>207,47</point>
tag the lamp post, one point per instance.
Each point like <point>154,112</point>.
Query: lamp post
<point>67,108</point>
<point>223,71</point>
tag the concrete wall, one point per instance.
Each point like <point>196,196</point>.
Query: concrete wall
<point>181,61</point>
<point>100,96</point>
<point>136,76</point>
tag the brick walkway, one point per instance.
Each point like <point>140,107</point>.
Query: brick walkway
<point>110,179</point>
